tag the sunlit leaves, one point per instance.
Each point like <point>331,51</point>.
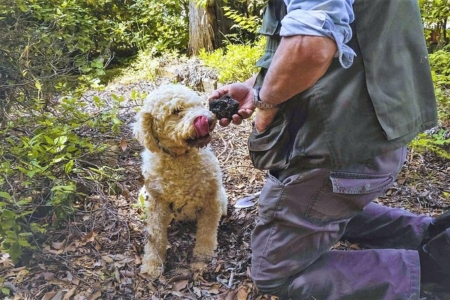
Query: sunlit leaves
<point>234,62</point>
<point>42,165</point>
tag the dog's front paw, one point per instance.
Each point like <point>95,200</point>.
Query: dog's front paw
<point>152,269</point>
<point>203,254</point>
<point>198,266</point>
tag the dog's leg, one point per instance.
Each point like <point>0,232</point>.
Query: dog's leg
<point>223,200</point>
<point>206,237</point>
<point>158,220</point>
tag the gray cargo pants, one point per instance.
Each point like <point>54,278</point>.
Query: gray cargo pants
<point>302,215</point>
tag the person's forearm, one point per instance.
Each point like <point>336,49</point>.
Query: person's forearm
<point>297,65</point>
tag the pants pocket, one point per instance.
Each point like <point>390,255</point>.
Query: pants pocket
<point>355,183</point>
<point>271,148</point>
<point>347,194</point>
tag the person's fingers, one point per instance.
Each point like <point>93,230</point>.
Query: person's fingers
<point>260,126</point>
<point>224,122</point>
<point>245,113</point>
<point>236,119</point>
<point>264,118</point>
<point>217,94</point>
<point>214,95</point>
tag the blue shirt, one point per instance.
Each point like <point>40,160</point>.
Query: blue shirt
<point>330,18</point>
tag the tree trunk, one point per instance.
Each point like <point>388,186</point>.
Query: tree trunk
<point>207,26</point>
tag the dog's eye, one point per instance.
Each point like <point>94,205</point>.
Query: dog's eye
<point>176,111</point>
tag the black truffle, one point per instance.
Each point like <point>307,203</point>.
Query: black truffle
<point>224,107</point>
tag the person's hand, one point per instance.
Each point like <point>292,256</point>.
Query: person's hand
<point>264,117</point>
<point>243,94</point>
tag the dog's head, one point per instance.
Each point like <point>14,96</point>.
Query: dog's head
<point>173,119</point>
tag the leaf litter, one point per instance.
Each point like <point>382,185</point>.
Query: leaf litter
<point>97,254</point>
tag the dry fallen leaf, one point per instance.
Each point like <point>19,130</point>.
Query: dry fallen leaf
<point>69,277</point>
<point>231,295</point>
<point>197,291</point>
<point>123,144</point>
<point>217,268</point>
<point>69,293</point>
<point>107,259</point>
<point>95,295</point>
<point>58,245</point>
<point>180,285</point>
<point>58,296</point>
<point>48,276</point>
<point>49,296</point>
<point>242,294</point>
<point>89,237</point>
<point>178,294</point>
<point>126,273</point>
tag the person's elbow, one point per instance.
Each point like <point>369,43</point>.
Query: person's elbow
<point>314,51</point>
<point>322,50</point>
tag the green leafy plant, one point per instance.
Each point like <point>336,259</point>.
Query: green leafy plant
<point>49,44</point>
<point>440,65</point>
<point>45,156</point>
<point>249,24</point>
<point>438,142</point>
<point>234,62</point>
<point>435,16</point>
<point>246,17</point>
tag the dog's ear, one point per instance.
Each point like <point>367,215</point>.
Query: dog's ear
<point>143,131</point>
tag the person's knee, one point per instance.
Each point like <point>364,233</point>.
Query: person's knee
<point>275,287</point>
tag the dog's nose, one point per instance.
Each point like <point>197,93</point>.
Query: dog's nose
<point>212,122</point>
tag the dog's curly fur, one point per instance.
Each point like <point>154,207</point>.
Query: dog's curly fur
<point>182,177</point>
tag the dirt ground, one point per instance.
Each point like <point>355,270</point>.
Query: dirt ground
<point>97,253</point>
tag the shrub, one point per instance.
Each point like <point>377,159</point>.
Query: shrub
<point>234,62</point>
<point>47,44</point>
<point>437,141</point>
<point>440,64</point>
<point>45,157</point>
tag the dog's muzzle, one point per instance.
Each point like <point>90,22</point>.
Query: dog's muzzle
<point>203,126</point>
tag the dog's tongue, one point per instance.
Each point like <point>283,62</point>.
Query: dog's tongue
<point>201,126</point>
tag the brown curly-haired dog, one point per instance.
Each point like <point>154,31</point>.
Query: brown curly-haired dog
<point>182,175</point>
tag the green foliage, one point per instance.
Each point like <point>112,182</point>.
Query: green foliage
<point>201,3</point>
<point>246,25</point>
<point>434,11</point>
<point>159,25</point>
<point>93,26</point>
<point>44,155</point>
<point>440,65</point>
<point>436,143</point>
<point>234,62</point>
<point>247,19</point>
<point>47,44</point>
<point>436,16</point>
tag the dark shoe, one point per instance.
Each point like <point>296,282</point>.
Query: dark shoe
<point>435,259</point>
<point>439,224</point>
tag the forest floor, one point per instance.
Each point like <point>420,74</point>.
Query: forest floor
<point>97,254</point>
